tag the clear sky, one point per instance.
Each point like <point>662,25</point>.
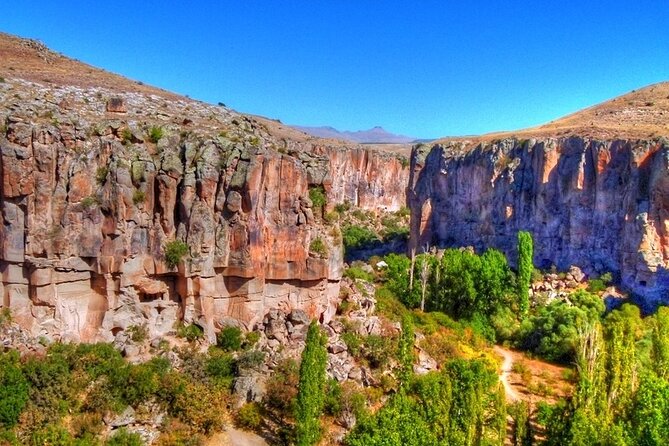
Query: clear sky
<point>421,68</point>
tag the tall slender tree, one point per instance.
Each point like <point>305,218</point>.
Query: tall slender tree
<point>311,390</point>
<point>525,267</point>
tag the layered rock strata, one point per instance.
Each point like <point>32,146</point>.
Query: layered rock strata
<point>602,205</point>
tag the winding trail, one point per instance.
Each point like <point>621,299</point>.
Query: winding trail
<point>507,365</point>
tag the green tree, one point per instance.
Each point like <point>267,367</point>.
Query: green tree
<point>13,388</point>
<point>525,267</point>
<point>311,390</point>
<point>660,342</point>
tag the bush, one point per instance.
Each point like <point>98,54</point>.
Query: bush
<point>101,174</point>
<point>155,134</point>
<point>190,332</point>
<point>355,272</point>
<point>249,416</point>
<point>138,197</point>
<point>174,252</point>
<point>319,247</point>
<point>201,406</point>
<point>251,338</point>
<point>597,285</point>
<point>317,196</point>
<point>340,208</point>
<point>220,367</point>
<point>89,202</point>
<point>229,339</point>
<point>282,387</point>
<point>138,333</point>
<point>126,136</point>
<point>249,360</point>
<point>124,438</point>
<point>331,217</point>
<point>353,343</point>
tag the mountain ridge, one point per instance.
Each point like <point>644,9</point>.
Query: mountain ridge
<point>374,135</point>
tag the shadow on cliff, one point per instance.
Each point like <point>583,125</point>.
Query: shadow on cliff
<point>419,193</point>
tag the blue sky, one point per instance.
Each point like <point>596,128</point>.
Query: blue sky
<point>421,68</point>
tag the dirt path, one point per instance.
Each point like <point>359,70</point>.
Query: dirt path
<point>236,437</point>
<point>507,365</point>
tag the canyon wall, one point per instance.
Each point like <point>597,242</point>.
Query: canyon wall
<point>601,205</point>
<point>86,220</point>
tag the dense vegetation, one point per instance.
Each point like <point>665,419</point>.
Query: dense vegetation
<point>62,398</point>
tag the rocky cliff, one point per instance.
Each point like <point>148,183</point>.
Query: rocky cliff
<point>602,205</point>
<point>592,188</point>
<point>100,175</point>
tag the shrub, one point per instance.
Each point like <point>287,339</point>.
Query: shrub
<point>124,438</point>
<point>403,212</point>
<point>138,333</point>
<point>126,136</point>
<point>378,350</point>
<point>249,416</point>
<point>353,343</point>
<point>319,247</point>
<point>201,406</point>
<point>221,367</point>
<point>88,202</point>
<point>101,174</point>
<point>251,338</point>
<point>317,196</point>
<point>155,134</point>
<point>331,217</point>
<point>355,272</point>
<point>282,387</point>
<point>251,359</point>
<point>190,332</point>
<point>340,208</point>
<point>174,252</point>
<point>597,285</point>
<point>229,339</point>
<point>5,316</point>
<point>138,197</point>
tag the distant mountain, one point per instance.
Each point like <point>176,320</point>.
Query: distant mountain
<point>376,135</point>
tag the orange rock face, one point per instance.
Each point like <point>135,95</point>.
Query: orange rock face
<point>600,205</point>
<point>85,231</point>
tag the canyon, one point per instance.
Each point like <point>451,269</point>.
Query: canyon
<point>101,175</point>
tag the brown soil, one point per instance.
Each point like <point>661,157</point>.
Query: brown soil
<point>533,380</point>
<point>33,61</point>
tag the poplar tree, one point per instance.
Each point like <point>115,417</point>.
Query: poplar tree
<point>525,267</point>
<point>311,390</point>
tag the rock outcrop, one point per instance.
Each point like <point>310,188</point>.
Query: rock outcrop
<point>602,205</point>
<point>100,175</point>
